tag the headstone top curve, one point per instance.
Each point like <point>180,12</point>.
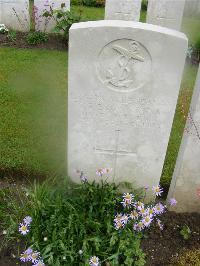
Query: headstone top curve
<point>126,24</point>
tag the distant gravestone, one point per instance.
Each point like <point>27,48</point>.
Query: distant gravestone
<point>185,186</point>
<point>15,14</point>
<point>123,10</point>
<point>123,91</point>
<point>192,8</point>
<point>46,24</point>
<point>166,13</point>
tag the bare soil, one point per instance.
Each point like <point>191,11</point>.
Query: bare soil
<point>161,246</point>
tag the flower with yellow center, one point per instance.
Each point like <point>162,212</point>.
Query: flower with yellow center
<point>23,228</point>
<point>94,261</point>
<point>157,190</point>
<point>134,215</point>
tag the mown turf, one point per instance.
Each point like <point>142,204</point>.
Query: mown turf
<point>33,96</point>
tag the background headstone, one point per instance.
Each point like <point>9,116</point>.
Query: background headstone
<point>192,8</point>
<point>166,13</point>
<point>123,9</point>
<point>15,14</point>
<point>45,24</point>
<point>122,91</point>
<point>185,185</point>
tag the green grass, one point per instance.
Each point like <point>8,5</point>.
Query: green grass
<point>89,13</point>
<point>191,27</point>
<point>33,96</point>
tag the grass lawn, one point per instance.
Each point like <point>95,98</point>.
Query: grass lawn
<point>89,13</point>
<point>33,104</point>
<point>191,27</point>
<point>33,110</point>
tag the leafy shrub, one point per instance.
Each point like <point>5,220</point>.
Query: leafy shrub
<point>72,223</point>
<point>185,232</point>
<point>90,3</point>
<point>69,223</point>
<point>64,19</point>
<point>36,37</point>
<point>197,44</point>
<point>12,35</point>
<point>3,28</point>
<point>144,5</point>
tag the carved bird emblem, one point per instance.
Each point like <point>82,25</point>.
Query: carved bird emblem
<point>129,54</point>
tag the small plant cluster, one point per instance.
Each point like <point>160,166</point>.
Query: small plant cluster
<point>90,3</point>
<point>136,214</point>
<point>185,232</point>
<point>63,18</point>
<point>193,52</point>
<point>36,37</point>
<point>29,255</point>
<point>144,5</point>
<point>87,224</point>
<point>3,29</point>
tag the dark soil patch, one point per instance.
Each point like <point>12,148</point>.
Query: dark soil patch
<point>8,257</point>
<point>21,174</point>
<point>161,246</point>
<point>55,42</point>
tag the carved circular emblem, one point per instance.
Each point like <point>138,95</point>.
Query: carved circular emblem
<point>124,65</point>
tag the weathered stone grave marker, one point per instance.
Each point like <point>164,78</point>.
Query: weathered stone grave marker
<point>122,96</point>
<point>46,24</point>
<point>123,9</point>
<point>192,8</point>
<point>166,13</point>
<point>185,185</point>
<point>15,14</point>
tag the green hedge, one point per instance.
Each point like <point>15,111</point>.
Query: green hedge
<point>101,3</point>
<point>92,3</point>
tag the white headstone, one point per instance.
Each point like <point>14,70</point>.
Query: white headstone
<point>15,14</point>
<point>185,185</point>
<point>46,24</point>
<point>124,80</point>
<point>166,13</point>
<point>123,9</point>
<point>192,8</point>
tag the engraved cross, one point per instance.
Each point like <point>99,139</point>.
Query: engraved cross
<point>164,18</point>
<point>115,152</point>
<point>122,13</point>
